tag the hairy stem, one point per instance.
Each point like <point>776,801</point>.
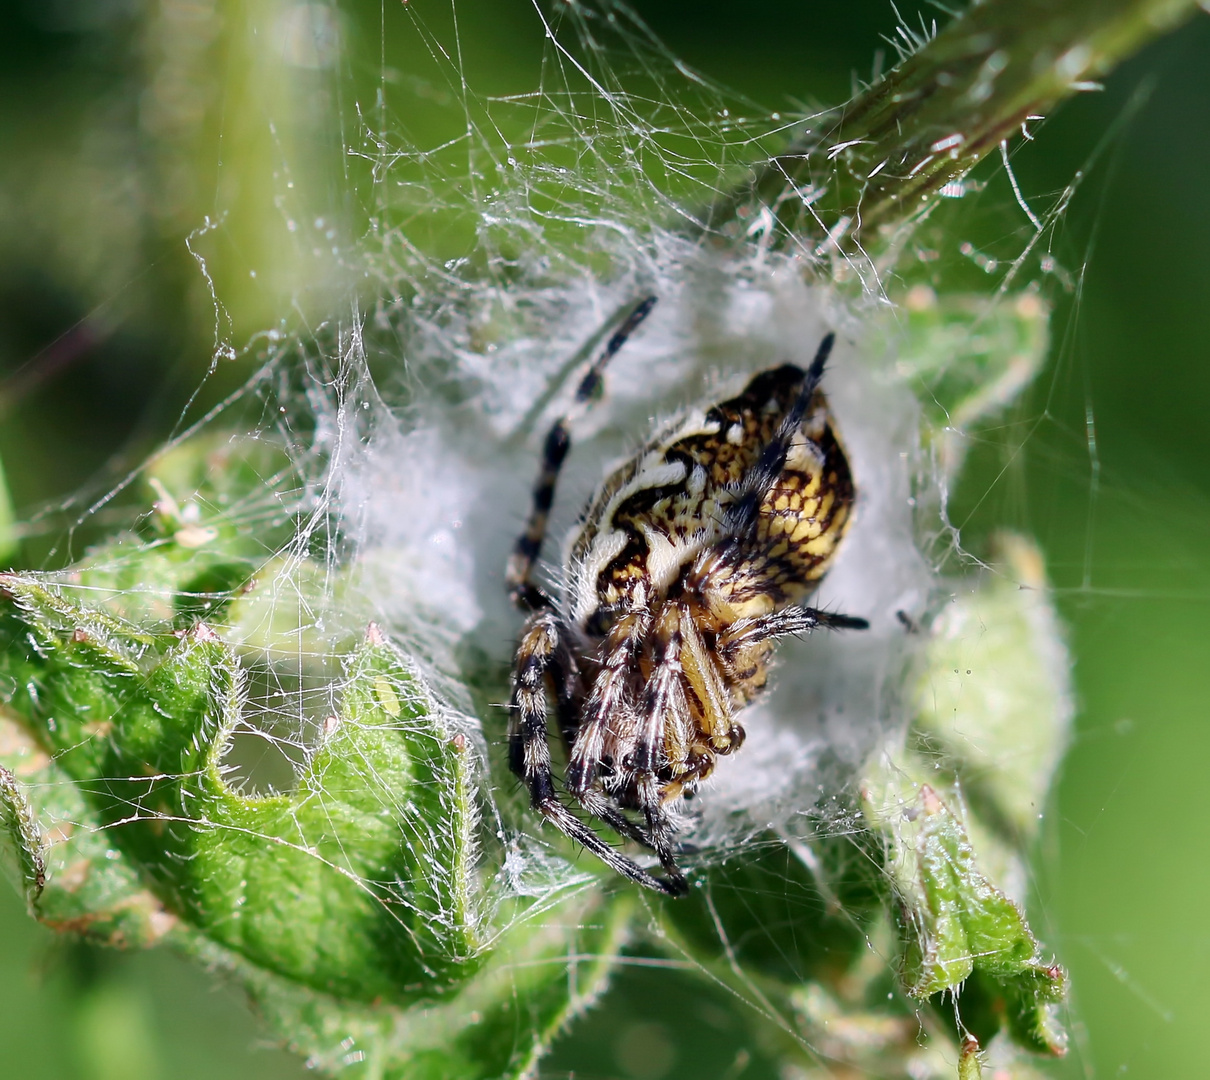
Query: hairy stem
<point>866,170</point>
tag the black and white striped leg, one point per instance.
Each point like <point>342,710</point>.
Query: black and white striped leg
<point>663,700</point>
<point>661,831</point>
<point>664,696</point>
<point>598,804</point>
<point>790,620</point>
<point>663,703</point>
<point>538,657</point>
<point>582,773</point>
<point>619,653</point>
<point>524,593</point>
<point>743,513</point>
<point>543,658</point>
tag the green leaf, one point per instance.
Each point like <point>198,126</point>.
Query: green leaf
<point>967,358</point>
<point>228,491</point>
<point>90,888</point>
<point>993,701</point>
<point>545,970</point>
<point>219,508</point>
<point>970,927</point>
<point>359,882</point>
<point>22,849</point>
<point>959,800</point>
<point>970,922</point>
<point>158,585</point>
<point>957,927</point>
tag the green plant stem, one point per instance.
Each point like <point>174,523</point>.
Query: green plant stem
<point>866,170</point>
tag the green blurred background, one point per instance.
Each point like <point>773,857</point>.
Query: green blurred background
<point>123,124</point>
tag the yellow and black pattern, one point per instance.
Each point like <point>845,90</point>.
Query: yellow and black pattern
<point>802,516</point>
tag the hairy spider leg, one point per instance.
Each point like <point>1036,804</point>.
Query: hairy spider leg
<point>524,593</point>
<point>664,696</point>
<point>597,803</point>
<point>706,683</point>
<point>609,689</point>
<point>619,653</point>
<point>543,657</point>
<point>666,734</point>
<point>662,717</point>
<point>544,644</point>
<point>663,703</point>
<point>742,515</point>
<point>539,657</point>
<point>787,621</point>
<point>539,660</point>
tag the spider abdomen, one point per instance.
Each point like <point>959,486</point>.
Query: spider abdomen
<point>654,524</point>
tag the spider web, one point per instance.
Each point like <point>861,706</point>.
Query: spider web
<point>498,237</point>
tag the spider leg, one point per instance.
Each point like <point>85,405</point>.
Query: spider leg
<point>543,656</point>
<point>524,593</point>
<point>789,620</point>
<point>743,513</point>
<point>607,700</point>
<point>538,655</point>
<point>596,738</point>
<point>664,697</point>
<point>661,831</point>
<point>598,805</point>
<point>565,679</point>
<point>663,703</point>
<point>706,681</point>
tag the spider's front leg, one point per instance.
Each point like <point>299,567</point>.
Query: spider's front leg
<point>664,711</point>
<point>541,655</point>
<point>600,738</point>
<point>519,575</point>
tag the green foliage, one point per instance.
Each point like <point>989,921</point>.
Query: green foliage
<point>356,909</point>
<point>958,801</point>
<point>358,882</point>
<point>87,884</point>
<point>969,926</point>
<point>351,907</point>
<point>544,970</point>
<point>24,855</point>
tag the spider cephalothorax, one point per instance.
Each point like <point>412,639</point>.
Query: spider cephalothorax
<point>686,566</point>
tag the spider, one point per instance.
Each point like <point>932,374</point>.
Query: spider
<point>687,565</point>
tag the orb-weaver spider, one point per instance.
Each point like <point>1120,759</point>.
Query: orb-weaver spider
<point>687,565</point>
